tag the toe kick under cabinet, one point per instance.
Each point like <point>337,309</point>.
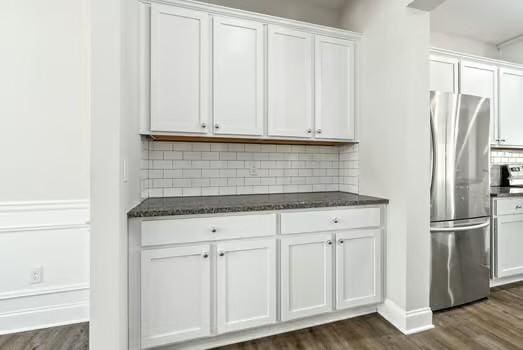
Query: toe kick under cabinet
<point>196,282</point>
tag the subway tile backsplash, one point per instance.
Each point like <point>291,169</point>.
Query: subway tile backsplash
<point>501,157</point>
<point>194,169</point>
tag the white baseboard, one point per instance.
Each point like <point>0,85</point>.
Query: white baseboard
<point>407,322</point>
<point>496,282</point>
<point>53,235</point>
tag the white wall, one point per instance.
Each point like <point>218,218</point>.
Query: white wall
<point>44,175</point>
<point>513,52</point>
<point>394,149</point>
<point>302,10</point>
<point>463,44</point>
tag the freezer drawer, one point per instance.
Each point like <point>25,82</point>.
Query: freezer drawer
<point>460,263</point>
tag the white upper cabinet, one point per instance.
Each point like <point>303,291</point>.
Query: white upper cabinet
<point>246,284</point>
<point>358,268</point>
<point>334,90</point>
<point>176,294</point>
<point>480,79</point>
<point>444,74</point>
<point>511,106</point>
<point>306,276</point>
<point>290,79</point>
<point>238,61</point>
<point>179,69</point>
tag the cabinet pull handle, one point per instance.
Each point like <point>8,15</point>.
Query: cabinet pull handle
<point>318,131</point>
<point>216,126</point>
<point>221,253</point>
<point>205,255</point>
<point>518,206</point>
<point>204,125</point>
<point>309,131</point>
<point>213,229</point>
<point>336,220</point>
<point>329,242</point>
<point>341,241</point>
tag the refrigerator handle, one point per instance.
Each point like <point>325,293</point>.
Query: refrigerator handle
<point>432,154</point>
<point>459,228</point>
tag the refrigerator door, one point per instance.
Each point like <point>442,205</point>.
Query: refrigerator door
<point>460,262</point>
<point>460,150</point>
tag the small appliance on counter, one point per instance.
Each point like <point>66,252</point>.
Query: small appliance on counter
<point>460,199</point>
<point>512,175</point>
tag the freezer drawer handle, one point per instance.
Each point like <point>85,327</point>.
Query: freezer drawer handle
<point>461,228</point>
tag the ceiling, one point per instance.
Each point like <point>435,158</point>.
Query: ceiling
<point>330,4</point>
<point>489,21</point>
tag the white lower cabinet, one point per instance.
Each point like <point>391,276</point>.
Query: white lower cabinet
<point>245,284</point>
<point>358,268</point>
<point>509,240</point>
<point>176,294</point>
<point>306,275</point>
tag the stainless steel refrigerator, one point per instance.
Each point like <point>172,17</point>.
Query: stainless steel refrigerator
<point>460,199</point>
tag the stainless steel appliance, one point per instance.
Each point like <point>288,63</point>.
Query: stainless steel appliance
<point>460,199</point>
<point>512,175</point>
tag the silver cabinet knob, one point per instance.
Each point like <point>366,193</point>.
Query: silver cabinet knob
<point>221,253</point>
<point>329,242</point>
<point>204,125</point>
<point>518,206</point>
<point>335,220</point>
<point>341,241</point>
<point>213,229</point>
<point>309,131</point>
<point>318,131</point>
<point>216,126</point>
<point>205,255</point>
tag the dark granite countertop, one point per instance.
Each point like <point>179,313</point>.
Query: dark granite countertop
<point>168,206</point>
<point>500,192</point>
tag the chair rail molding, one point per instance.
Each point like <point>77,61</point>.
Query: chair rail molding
<point>53,236</point>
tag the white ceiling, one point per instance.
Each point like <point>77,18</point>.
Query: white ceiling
<point>330,4</point>
<point>489,21</point>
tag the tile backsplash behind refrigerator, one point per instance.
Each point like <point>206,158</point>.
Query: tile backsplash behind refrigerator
<point>499,158</point>
<point>194,169</point>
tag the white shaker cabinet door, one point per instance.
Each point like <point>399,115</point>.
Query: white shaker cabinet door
<point>238,59</point>
<point>444,74</point>
<point>511,107</point>
<point>176,294</point>
<point>179,69</point>
<point>290,79</point>
<point>508,245</point>
<point>335,82</point>
<point>306,276</point>
<point>358,268</point>
<point>480,79</point>
<point>245,284</point>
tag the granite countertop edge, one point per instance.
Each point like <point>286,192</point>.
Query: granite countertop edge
<point>143,210</point>
<point>505,192</point>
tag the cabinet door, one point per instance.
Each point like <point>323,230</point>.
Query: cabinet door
<point>246,284</point>
<point>358,268</point>
<point>481,80</point>
<point>290,79</point>
<point>444,74</point>
<point>511,107</point>
<point>334,88</point>
<point>179,69</point>
<point>238,76</point>
<point>306,276</point>
<point>176,286</point>
<point>509,240</point>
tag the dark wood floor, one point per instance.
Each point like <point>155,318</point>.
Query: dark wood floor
<point>496,323</point>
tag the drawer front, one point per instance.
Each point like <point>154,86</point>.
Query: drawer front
<point>158,232</point>
<point>509,206</point>
<point>328,220</point>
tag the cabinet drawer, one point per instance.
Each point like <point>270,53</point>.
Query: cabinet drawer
<point>509,206</point>
<point>328,220</point>
<point>157,232</point>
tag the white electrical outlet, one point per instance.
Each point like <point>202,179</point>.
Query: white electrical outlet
<point>253,171</point>
<point>37,275</point>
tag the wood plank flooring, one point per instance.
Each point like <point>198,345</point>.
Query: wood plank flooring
<point>496,323</point>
